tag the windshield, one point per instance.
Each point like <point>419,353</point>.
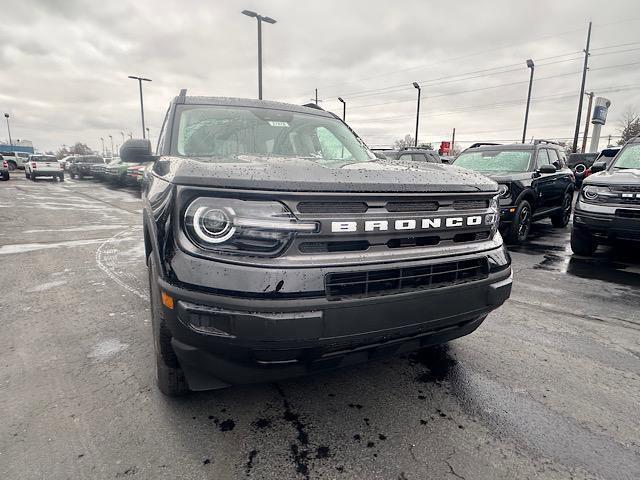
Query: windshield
<point>628,157</point>
<point>43,158</point>
<point>227,132</point>
<point>495,161</point>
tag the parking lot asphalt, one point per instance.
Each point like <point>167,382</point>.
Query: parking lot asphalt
<point>548,387</point>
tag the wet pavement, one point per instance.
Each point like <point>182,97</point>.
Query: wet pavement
<point>548,387</point>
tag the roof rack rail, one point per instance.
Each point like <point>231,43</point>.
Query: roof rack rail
<point>542,140</point>
<point>482,144</point>
<point>182,95</point>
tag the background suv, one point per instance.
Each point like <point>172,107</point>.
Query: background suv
<point>608,207</point>
<point>412,154</point>
<point>535,183</point>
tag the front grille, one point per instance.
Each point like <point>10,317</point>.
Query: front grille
<point>332,207</point>
<point>412,206</point>
<point>628,188</point>
<point>629,201</point>
<point>470,204</point>
<point>397,280</point>
<point>628,213</point>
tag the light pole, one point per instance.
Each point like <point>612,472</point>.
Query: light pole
<point>148,135</point>
<point>586,123</point>
<point>260,19</point>
<point>140,80</point>
<point>102,140</point>
<point>6,115</point>
<point>122,133</point>
<point>532,66</point>
<point>130,135</point>
<point>111,138</point>
<point>415,84</point>
<point>344,108</point>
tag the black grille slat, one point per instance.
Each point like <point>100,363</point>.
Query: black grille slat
<point>424,206</point>
<point>470,204</point>
<point>405,279</point>
<point>332,207</point>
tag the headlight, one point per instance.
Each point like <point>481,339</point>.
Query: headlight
<point>503,190</point>
<point>492,218</point>
<point>591,193</point>
<point>242,227</point>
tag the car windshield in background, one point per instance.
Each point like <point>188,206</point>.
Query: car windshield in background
<point>495,161</point>
<point>43,158</point>
<point>628,158</point>
<point>227,132</point>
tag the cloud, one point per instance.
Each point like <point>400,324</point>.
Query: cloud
<point>64,78</point>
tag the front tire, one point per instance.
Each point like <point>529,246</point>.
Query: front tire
<point>561,220</point>
<point>169,375</point>
<point>61,177</point>
<point>583,243</point>
<point>521,225</point>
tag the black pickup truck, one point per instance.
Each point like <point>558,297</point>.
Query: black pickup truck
<point>81,165</point>
<point>278,244</point>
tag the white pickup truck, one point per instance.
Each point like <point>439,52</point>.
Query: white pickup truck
<point>43,166</point>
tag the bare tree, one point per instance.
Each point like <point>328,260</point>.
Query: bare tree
<point>407,141</point>
<point>629,126</point>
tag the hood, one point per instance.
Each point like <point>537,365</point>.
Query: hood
<point>614,177</point>
<point>300,174</point>
<point>506,177</point>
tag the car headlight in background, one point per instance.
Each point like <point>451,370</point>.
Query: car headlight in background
<point>503,190</point>
<point>595,193</point>
<point>242,227</point>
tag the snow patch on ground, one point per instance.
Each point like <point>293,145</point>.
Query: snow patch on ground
<point>30,247</point>
<point>46,286</point>
<point>107,348</point>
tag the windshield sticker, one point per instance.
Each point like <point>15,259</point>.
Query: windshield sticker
<point>274,123</point>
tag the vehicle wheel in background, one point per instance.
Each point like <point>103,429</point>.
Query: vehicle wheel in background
<point>582,242</point>
<point>73,175</point>
<point>80,176</point>
<point>27,176</point>
<point>61,177</point>
<point>519,229</point>
<point>12,166</point>
<point>33,177</point>
<point>169,375</point>
<point>562,219</point>
<point>5,176</point>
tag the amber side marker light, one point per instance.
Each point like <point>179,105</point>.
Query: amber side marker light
<point>167,301</point>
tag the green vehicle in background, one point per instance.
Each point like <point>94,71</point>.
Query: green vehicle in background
<point>116,172</point>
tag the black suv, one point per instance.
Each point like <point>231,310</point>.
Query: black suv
<point>534,183</point>
<point>608,207</point>
<point>278,244</point>
<point>411,154</point>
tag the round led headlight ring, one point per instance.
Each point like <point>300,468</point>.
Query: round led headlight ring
<point>213,225</point>
<point>580,168</point>
<point>590,193</point>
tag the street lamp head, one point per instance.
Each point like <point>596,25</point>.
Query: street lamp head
<point>530,63</point>
<point>249,13</point>
<point>341,99</point>
<point>415,84</point>
<point>268,20</point>
<point>6,115</point>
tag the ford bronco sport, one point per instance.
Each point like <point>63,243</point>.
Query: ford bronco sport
<point>278,245</point>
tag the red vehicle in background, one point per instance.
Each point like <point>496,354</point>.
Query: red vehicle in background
<point>607,155</point>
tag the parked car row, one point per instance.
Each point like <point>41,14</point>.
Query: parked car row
<point>110,170</point>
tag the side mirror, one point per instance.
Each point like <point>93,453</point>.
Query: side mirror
<point>598,167</point>
<point>136,150</point>
<point>547,169</point>
<point>380,155</point>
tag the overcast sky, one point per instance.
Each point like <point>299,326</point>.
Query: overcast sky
<point>64,63</point>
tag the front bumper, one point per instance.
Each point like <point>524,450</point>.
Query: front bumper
<point>608,222</point>
<point>265,339</point>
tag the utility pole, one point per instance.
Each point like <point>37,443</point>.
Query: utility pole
<point>586,123</point>
<point>609,142</point>
<point>415,85</point>
<point>122,133</point>
<point>584,79</point>
<point>102,140</point>
<point>453,140</point>
<point>111,138</point>
<point>316,96</point>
